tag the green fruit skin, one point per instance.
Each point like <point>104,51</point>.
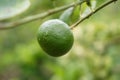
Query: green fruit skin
<point>55,37</point>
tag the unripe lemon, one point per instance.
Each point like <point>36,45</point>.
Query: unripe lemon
<point>55,37</point>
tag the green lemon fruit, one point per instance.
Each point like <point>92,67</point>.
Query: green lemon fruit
<point>55,37</point>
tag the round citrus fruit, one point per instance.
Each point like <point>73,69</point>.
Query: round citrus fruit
<point>55,37</point>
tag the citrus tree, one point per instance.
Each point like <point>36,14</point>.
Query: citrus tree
<point>59,40</point>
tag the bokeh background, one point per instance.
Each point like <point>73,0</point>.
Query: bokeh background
<point>94,55</point>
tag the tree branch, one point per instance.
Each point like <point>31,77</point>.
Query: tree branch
<point>9,25</point>
<point>93,12</point>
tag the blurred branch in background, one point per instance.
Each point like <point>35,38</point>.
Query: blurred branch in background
<point>9,25</point>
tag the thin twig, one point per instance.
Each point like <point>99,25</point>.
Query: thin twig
<point>9,25</point>
<point>93,12</point>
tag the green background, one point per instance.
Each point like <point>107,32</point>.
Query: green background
<point>94,55</point>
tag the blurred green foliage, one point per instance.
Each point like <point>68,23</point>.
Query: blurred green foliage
<point>94,56</point>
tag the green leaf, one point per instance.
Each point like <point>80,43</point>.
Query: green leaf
<point>65,16</point>
<point>88,9</point>
<point>99,2</point>
<point>71,15</point>
<point>76,14</point>
<point>11,8</point>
